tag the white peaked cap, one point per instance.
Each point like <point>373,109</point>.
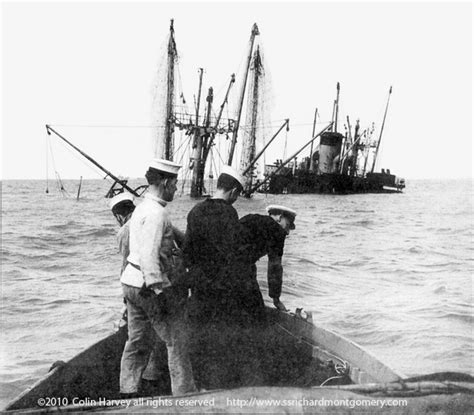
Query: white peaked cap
<point>164,166</point>
<point>279,209</point>
<point>283,210</point>
<point>230,171</point>
<point>121,197</point>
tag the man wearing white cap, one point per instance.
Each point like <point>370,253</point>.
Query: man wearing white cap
<point>148,287</point>
<point>122,207</point>
<point>211,252</point>
<point>265,235</point>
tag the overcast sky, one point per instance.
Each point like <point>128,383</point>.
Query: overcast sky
<point>94,64</point>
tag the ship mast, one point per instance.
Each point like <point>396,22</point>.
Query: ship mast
<point>311,161</point>
<point>285,162</point>
<point>254,33</point>
<point>122,183</point>
<point>249,143</point>
<point>336,110</point>
<point>169,124</point>
<point>355,159</point>
<point>381,131</point>
<point>210,142</point>
<point>204,138</point>
<point>197,145</point>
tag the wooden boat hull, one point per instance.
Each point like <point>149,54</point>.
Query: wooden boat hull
<point>306,357</point>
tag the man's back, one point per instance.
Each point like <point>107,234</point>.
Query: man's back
<point>212,238</point>
<point>262,236</point>
<point>223,289</point>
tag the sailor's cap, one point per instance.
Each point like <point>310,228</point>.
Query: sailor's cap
<point>164,166</point>
<point>121,197</point>
<point>230,171</point>
<point>283,210</point>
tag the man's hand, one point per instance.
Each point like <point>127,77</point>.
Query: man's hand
<point>156,288</point>
<point>278,304</point>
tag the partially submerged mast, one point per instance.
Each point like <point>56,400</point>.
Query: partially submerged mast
<point>214,130</point>
<point>336,110</point>
<point>122,183</point>
<point>197,146</point>
<point>169,125</point>
<point>381,131</point>
<point>254,33</point>
<point>285,162</point>
<point>311,161</point>
<point>249,142</point>
<point>163,146</point>
<point>202,133</point>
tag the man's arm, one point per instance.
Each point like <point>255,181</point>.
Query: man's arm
<point>178,236</point>
<point>123,238</point>
<point>275,277</point>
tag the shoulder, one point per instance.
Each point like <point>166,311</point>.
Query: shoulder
<point>196,210</point>
<point>150,212</point>
<point>259,221</point>
<point>252,219</point>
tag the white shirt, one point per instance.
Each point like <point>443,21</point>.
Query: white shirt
<point>151,243</point>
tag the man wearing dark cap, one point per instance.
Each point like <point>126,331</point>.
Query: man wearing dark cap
<point>212,252</point>
<point>265,235</point>
<point>149,287</point>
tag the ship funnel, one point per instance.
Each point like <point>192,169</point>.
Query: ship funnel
<point>329,150</point>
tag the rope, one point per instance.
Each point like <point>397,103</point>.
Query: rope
<point>59,183</point>
<point>331,378</point>
<point>342,368</point>
<point>47,164</point>
<point>83,161</point>
<point>61,187</point>
<point>343,365</point>
<point>187,170</point>
<point>182,142</point>
<point>219,154</point>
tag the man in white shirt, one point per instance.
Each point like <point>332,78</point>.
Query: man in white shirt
<point>147,283</point>
<point>122,207</point>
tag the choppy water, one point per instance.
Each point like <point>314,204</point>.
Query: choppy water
<point>391,272</point>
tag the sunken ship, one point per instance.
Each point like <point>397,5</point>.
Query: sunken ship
<point>340,163</point>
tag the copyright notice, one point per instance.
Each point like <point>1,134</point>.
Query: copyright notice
<point>143,402</point>
<point>211,402</point>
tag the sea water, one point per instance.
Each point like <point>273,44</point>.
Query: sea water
<point>392,272</point>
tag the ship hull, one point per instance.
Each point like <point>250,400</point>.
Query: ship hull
<point>303,181</point>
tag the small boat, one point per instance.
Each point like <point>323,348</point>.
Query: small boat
<point>289,359</point>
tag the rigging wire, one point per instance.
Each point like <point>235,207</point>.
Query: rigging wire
<point>84,162</point>
<point>219,154</point>
<point>47,163</point>
<point>186,169</point>
<point>274,123</point>
<point>182,143</point>
<point>60,185</point>
<point>59,182</point>
<point>286,145</point>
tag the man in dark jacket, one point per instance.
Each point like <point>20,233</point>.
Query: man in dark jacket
<point>222,288</point>
<point>265,235</point>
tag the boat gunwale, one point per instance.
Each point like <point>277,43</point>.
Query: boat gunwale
<point>300,326</point>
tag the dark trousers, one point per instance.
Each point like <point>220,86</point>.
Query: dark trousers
<point>235,299</point>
